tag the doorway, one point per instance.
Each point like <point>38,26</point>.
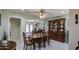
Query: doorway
<point>15,28</point>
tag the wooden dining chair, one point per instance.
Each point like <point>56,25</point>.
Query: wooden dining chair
<point>40,40</point>
<point>49,37</point>
<point>44,37</point>
<point>27,41</point>
<point>36,39</point>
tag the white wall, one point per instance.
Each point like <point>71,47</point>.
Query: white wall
<point>1,27</point>
<point>46,24</point>
<point>6,21</point>
<point>6,15</point>
<point>73,29</point>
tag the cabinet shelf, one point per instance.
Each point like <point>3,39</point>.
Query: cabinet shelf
<point>57,28</point>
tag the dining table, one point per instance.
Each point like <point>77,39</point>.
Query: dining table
<point>38,38</point>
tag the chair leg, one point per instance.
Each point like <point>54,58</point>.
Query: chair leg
<point>39,46</point>
<point>44,44</point>
<point>26,47</point>
<point>34,46</point>
<point>48,42</point>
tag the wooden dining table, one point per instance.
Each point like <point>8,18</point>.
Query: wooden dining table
<point>11,45</point>
<point>37,38</point>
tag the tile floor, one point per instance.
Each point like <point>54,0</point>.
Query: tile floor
<point>54,45</point>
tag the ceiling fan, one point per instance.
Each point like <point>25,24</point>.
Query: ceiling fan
<point>41,13</point>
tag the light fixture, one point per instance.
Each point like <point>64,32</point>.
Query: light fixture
<point>62,12</point>
<point>42,17</point>
<point>42,14</point>
<point>22,9</point>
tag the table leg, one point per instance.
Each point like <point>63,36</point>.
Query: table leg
<point>48,42</point>
<point>34,46</point>
<point>44,44</point>
<point>39,46</point>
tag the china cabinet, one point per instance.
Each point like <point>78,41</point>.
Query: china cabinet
<point>56,29</point>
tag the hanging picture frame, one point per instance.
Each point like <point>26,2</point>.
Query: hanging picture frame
<point>76,18</point>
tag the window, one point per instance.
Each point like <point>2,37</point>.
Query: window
<point>27,28</point>
<point>31,28</point>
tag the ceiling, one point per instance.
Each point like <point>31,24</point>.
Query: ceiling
<point>50,12</point>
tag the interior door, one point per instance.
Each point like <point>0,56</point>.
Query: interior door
<point>15,29</point>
